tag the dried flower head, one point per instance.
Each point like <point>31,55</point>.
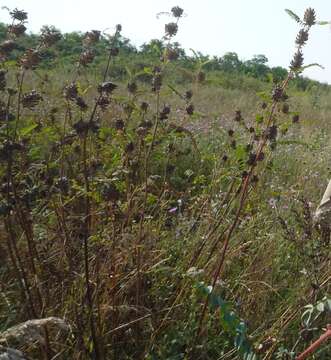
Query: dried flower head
<point>81,127</point>
<point>107,87</point>
<point>309,17</point>
<point>297,61</point>
<point>177,12</point>
<point>285,108</point>
<point>295,118</point>
<point>19,15</point>
<point>132,87</point>
<point>103,102</point>
<point>171,54</point>
<point>7,47</point>
<point>114,51</point>
<point>238,116</point>
<point>49,36</point>
<point>277,93</point>
<point>91,37</point>
<point>201,77</point>
<point>119,124</point>
<point>17,29</point>
<point>30,59</point>
<point>157,81</point>
<point>70,92</point>
<point>302,37</point>
<point>271,132</point>
<point>144,106</point>
<point>3,82</point>
<point>118,28</point>
<point>171,29</point>
<point>80,102</point>
<point>31,99</point>
<point>86,57</point>
<point>165,112</point>
<point>188,95</point>
<point>190,109</point>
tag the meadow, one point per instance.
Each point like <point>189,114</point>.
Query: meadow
<point>159,205</point>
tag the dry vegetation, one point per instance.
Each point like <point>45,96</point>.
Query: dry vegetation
<point>159,221</point>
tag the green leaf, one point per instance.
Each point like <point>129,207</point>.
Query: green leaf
<point>311,65</point>
<point>294,16</point>
<point>323,22</point>
<point>26,130</point>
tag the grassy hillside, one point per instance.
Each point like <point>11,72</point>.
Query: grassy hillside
<point>159,206</point>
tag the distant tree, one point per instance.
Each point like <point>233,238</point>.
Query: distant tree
<point>230,62</point>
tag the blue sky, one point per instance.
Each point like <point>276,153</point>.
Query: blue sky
<point>214,27</point>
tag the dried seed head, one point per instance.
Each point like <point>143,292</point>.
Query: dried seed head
<point>271,132</point>
<point>285,108</point>
<point>302,37</point>
<point>31,99</point>
<point>107,87</point>
<point>264,105</point>
<point>17,29</point>
<point>277,93</point>
<point>70,92</point>
<point>118,28</point>
<point>165,112</point>
<point>30,59</point>
<point>238,116</point>
<point>171,54</point>
<point>119,124</point>
<point>129,147</point>
<point>224,158</point>
<point>251,130</point>
<point>188,95</point>
<point>295,118</point>
<point>91,37</point>
<point>7,47</point>
<point>233,144</point>
<point>171,29</point>
<point>230,132</point>
<point>144,106</point>
<point>190,109</point>
<point>251,161</point>
<point>19,15</point>
<point>132,87</point>
<point>309,17</point>
<point>103,102</point>
<point>297,61</point>
<point>157,82</point>
<point>80,102</point>
<point>86,57</point>
<point>260,157</point>
<point>177,12</point>
<point>81,127</point>
<point>255,179</point>
<point>49,36</point>
<point>3,82</point>
<point>114,51</point>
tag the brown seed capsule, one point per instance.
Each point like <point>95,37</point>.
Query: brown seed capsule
<point>190,109</point>
<point>114,51</point>
<point>103,102</point>
<point>86,57</point>
<point>91,37</point>
<point>171,54</point>
<point>165,112</point>
<point>271,132</point>
<point>285,108</point>
<point>237,116</point>
<point>70,92</point>
<point>295,118</point>
<point>297,61</point>
<point>157,82</point>
<point>144,106</point>
<point>30,59</point>
<point>171,29</point>
<point>302,37</point>
<point>277,93</point>
<point>19,15</point>
<point>49,36</point>
<point>309,17</point>
<point>132,87</point>
<point>119,124</point>
<point>251,159</point>
<point>7,47</point>
<point>81,127</point>
<point>188,94</point>
<point>81,103</point>
<point>201,77</point>
<point>177,12</point>
<point>230,132</point>
<point>17,29</point>
<point>225,158</point>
